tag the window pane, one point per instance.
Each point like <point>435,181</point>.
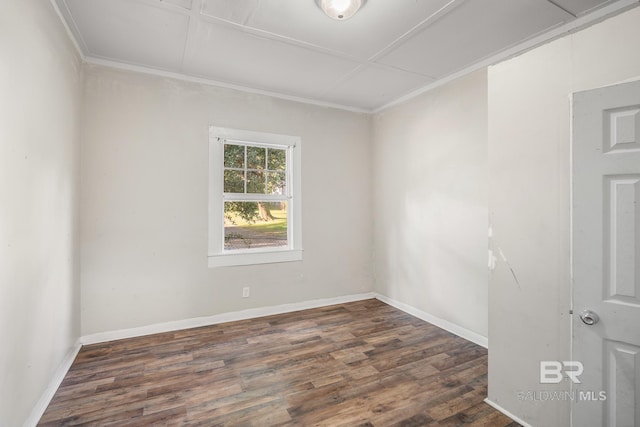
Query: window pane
<point>233,181</point>
<point>277,159</point>
<point>256,182</point>
<point>256,157</point>
<point>233,156</point>
<point>276,183</point>
<point>249,225</point>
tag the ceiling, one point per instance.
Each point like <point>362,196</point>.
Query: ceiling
<point>290,48</point>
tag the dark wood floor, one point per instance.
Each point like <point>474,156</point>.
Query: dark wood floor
<point>356,364</point>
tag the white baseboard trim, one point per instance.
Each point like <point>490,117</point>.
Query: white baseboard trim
<point>47,395</point>
<point>507,413</point>
<point>441,323</point>
<point>219,318</point>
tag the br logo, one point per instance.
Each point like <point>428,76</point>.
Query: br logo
<point>551,371</point>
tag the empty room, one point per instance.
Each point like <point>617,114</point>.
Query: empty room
<point>320,213</point>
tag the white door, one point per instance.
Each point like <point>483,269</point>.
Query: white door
<point>606,255</point>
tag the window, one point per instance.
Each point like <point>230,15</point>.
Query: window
<point>254,198</point>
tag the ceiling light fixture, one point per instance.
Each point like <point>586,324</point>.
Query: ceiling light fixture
<point>340,9</point>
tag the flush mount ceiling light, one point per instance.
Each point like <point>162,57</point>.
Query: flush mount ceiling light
<point>340,9</point>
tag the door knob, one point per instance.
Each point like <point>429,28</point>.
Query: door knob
<point>590,318</point>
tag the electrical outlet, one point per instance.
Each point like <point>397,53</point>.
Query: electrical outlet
<point>245,292</point>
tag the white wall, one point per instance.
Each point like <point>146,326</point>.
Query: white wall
<point>39,292</point>
<point>529,143</point>
<point>430,186</point>
<point>144,202</point>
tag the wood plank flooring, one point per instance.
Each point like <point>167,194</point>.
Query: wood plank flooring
<point>358,364</point>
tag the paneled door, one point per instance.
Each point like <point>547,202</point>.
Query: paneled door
<point>606,255</point>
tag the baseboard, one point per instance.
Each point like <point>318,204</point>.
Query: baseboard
<point>507,413</point>
<point>441,323</point>
<point>219,318</point>
<point>47,395</point>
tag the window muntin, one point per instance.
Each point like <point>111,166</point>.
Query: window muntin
<point>254,169</point>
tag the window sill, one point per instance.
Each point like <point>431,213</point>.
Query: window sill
<point>251,258</point>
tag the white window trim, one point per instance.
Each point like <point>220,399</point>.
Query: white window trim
<point>217,256</point>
